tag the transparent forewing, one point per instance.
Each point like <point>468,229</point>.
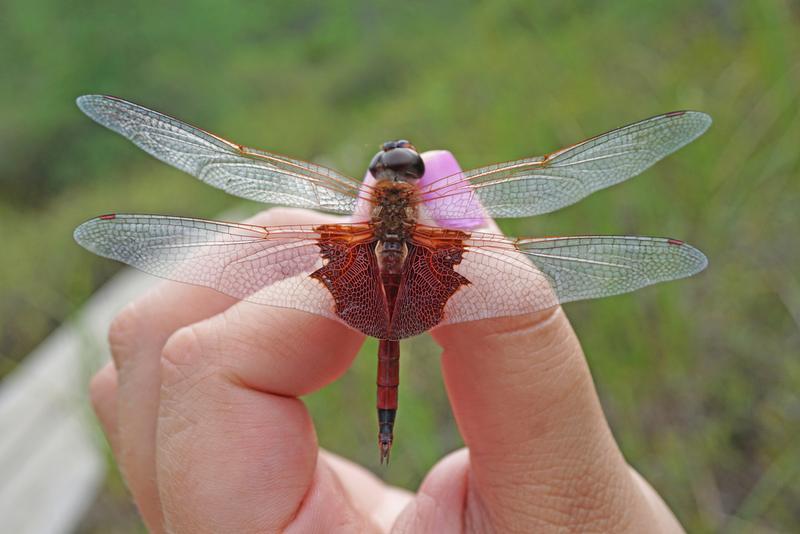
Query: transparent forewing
<point>236,169</point>
<point>543,184</point>
<point>266,265</point>
<point>512,277</point>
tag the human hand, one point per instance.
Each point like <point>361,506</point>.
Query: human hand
<point>200,407</point>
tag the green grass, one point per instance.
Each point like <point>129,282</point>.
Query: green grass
<point>699,378</point>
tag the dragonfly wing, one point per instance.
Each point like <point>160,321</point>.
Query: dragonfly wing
<point>236,169</point>
<point>513,277</point>
<point>543,184</point>
<point>266,265</point>
<point>429,280</point>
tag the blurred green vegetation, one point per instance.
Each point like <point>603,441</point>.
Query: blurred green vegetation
<point>699,378</point>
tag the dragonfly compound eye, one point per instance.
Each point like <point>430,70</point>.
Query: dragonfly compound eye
<point>397,164</point>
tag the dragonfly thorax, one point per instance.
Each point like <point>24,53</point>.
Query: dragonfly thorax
<point>394,214</point>
<point>393,218</point>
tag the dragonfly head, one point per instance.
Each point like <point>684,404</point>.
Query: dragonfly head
<point>397,161</point>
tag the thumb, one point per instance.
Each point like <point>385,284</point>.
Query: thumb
<point>541,452</point>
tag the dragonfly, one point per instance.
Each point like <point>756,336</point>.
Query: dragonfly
<point>415,253</point>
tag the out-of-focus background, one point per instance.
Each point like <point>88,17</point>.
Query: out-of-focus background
<point>699,378</point>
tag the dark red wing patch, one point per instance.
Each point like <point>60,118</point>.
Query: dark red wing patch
<point>352,276</point>
<point>428,282</point>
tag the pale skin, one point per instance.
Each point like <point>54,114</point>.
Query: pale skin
<point>200,406</point>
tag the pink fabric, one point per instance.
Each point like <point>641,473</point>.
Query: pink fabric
<point>441,167</point>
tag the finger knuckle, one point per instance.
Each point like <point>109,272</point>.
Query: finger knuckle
<point>99,387</point>
<point>277,215</point>
<point>125,331</point>
<point>183,348</point>
<point>281,215</point>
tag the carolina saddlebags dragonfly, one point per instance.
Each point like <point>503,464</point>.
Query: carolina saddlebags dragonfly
<point>411,257</point>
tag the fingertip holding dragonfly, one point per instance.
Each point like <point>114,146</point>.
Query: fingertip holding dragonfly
<point>411,259</point>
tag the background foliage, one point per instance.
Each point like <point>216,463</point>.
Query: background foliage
<point>699,378</point>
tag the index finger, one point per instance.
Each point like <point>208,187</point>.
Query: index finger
<point>137,337</point>
<point>523,397</point>
<point>236,448</point>
<point>525,403</point>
